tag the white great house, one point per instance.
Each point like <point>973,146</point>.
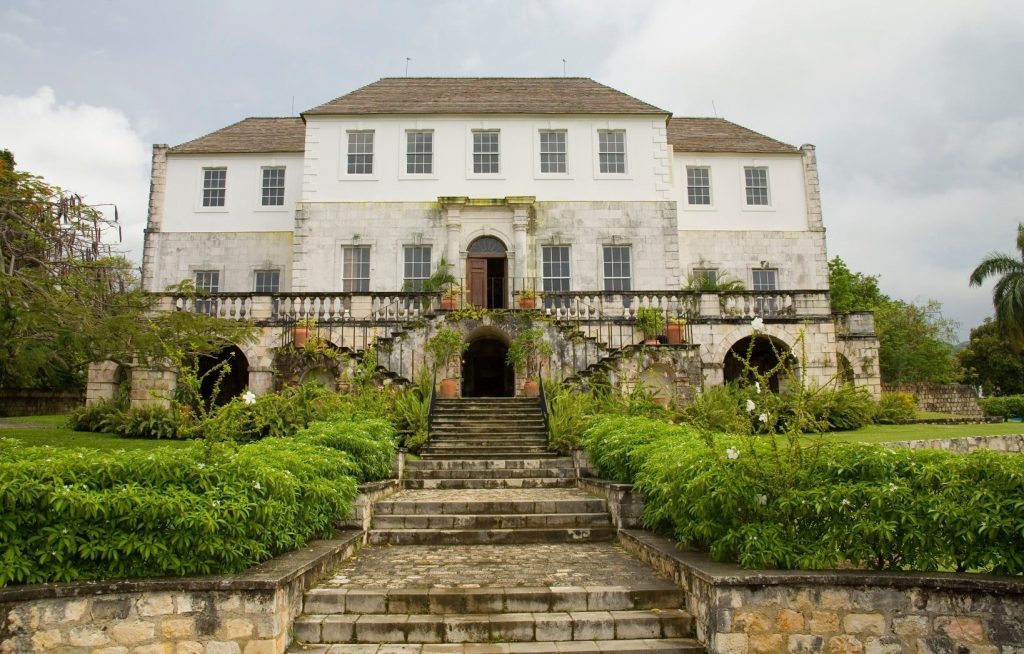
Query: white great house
<point>594,200</point>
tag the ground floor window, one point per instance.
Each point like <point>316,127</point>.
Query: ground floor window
<point>355,269</point>
<point>417,266</point>
<point>618,269</point>
<point>268,281</point>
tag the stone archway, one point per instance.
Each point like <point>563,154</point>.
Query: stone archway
<point>227,385</point>
<point>763,353</point>
<point>484,370</point>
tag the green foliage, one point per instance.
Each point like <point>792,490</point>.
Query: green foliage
<point>766,504</point>
<point>370,442</point>
<point>1007,406</point>
<point>841,409</point>
<point>412,412</point>
<point>569,413</point>
<point>991,361</point>
<point>915,343</point>
<point>896,409</point>
<point>852,292</point>
<point>718,409</point>
<point>1008,292</point>
<point>650,322</point>
<point>152,422</point>
<point>73,514</point>
<point>527,350</point>
<point>93,417</point>
<point>723,283</point>
<point>446,348</point>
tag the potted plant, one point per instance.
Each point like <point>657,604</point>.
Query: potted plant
<point>651,323</point>
<point>446,347</point>
<point>300,331</point>
<point>528,299</point>
<point>450,298</point>
<point>676,331</point>
<point>525,354</point>
<point>443,281</point>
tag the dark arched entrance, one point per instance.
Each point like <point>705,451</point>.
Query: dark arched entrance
<point>487,273</point>
<point>233,380</point>
<point>484,371</point>
<point>762,353</point>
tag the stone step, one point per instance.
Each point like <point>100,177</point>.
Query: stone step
<point>512,507</point>
<point>463,483</point>
<point>475,427</point>
<point>489,536</point>
<point>520,473</point>
<point>487,464</point>
<point>461,448</point>
<point>514,599</point>
<point>632,646</point>
<point>510,439</point>
<point>494,627</point>
<point>492,521</point>
<point>494,456</point>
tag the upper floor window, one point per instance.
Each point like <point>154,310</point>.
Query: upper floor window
<point>268,281</point>
<point>611,150</point>
<point>215,183</point>
<point>355,269</point>
<point>272,189</point>
<point>207,281</point>
<point>765,280</point>
<point>618,269</point>
<point>552,151</point>
<point>705,279</point>
<point>360,153</point>
<point>417,266</point>
<point>698,185</point>
<point>756,178</point>
<point>419,152</point>
<point>486,155</point>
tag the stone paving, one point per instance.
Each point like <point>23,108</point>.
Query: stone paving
<point>476,566</point>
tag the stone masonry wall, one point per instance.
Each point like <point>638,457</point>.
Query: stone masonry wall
<point>35,402</point>
<point>943,398</point>
<point>1009,443</point>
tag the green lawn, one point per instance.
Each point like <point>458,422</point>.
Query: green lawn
<point>51,431</point>
<point>882,433</point>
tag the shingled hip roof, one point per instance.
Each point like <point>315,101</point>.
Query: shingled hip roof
<point>250,135</point>
<point>719,135</point>
<point>485,95</point>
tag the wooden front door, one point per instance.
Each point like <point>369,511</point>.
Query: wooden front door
<point>477,281</point>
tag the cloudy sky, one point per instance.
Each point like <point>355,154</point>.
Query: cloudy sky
<point>916,107</point>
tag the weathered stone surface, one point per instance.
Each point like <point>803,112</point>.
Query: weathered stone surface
<point>864,623</point>
<point>152,604</point>
<point>960,629</point>
<point>805,644</point>
<point>789,621</point>
<point>132,632</point>
<point>767,643</point>
<point>844,644</point>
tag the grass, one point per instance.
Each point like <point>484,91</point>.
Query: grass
<point>882,433</point>
<point>51,431</point>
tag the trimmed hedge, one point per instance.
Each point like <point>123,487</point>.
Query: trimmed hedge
<point>371,443</point>
<point>762,502</point>
<point>1007,406</point>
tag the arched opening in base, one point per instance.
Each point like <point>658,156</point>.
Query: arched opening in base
<point>763,354</point>
<point>232,383</point>
<point>484,370</point>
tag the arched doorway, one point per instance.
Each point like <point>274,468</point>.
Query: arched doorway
<point>484,370</point>
<point>764,354</point>
<point>487,273</point>
<point>231,383</point>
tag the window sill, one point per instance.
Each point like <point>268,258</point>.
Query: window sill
<point>758,207</point>
<point>483,176</point>
<point>212,210</point>
<point>700,207</point>
<point>359,178</point>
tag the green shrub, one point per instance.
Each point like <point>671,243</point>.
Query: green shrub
<point>570,412</point>
<point>73,514</point>
<point>718,409</point>
<point>841,409</point>
<point>615,443</point>
<point>412,412</point>
<point>1007,406</point>
<point>92,417</point>
<point>145,422</point>
<point>275,415</point>
<point>370,443</point>
<point>896,408</point>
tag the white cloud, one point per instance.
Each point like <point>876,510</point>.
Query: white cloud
<point>89,150</point>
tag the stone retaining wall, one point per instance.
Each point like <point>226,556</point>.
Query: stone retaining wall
<point>36,402</point>
<point>1007,443</point>
<point>248,613</point>
<point>943,398</point>
<point>839,611</point>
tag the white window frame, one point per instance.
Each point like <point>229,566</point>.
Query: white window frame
<point>430,262</point>
<point>710,187</point>
<point>284,188</point>
<point>538,173</point>
<point>611,127</point>
<point>775,279</point>
<point>202,189</point>
<point>256,277</point>
<point>714,272</point>
<point>768,187</point>
<point>343,173</point>
<point>207,305</point>
<point>470,174</point>
<point>369,271</point>
<point>403,153</point>
<point>604,261</point>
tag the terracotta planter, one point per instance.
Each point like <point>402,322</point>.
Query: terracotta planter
<point>449,303</point>
<point>449,388</point>
<point>300,336</point>
<point>527,302</point>
<point>651,341</point>
<point>531,388</point>
<point>675,333</point>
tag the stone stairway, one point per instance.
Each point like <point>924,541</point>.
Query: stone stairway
<point>500,552</point>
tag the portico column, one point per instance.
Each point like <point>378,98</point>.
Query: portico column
<point>520,220</point>
<point>451,209</point>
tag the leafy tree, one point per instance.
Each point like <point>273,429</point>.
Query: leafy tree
<point>915,340</point>
<point>66,299</point>
<point>990,361</point>
<point>1008,293</point>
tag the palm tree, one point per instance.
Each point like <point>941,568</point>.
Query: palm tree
<point>1008,294</point>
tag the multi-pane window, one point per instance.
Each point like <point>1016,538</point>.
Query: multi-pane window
<point>611,150</point>
<point>552,151</point>
<point>705,278</point>
<point>215,183</point>
<point>756,178</point>
<point>419,152</point>
<point>207,281</point>
<point>417,266</point>
<point>486,157</point>
<point>698,185</point>
<point>556,276</point>
<point>618,272</point>
<point>268,281</point>
<point>360,153</point>
<point>355,269</point>
<point>765,280</point>
<point>272,188</point>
